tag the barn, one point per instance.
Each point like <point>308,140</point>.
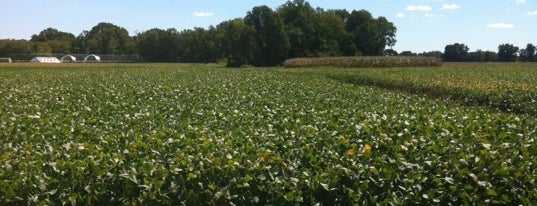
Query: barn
<point>46,60</point>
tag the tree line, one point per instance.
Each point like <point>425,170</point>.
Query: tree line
<point>264,37</point>
<point>459,52</point>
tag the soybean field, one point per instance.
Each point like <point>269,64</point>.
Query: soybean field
<point>177,134</point>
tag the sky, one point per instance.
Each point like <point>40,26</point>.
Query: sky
<point>422,25</point>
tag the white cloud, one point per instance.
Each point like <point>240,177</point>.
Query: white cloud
<point>501,26</point>
<point>533,13</point>
<point>400,15</point>
<point>202,14</point>
<point>520,1</point>
<point>418,8</point>
<point>451,6</point>
<point>433,0</point>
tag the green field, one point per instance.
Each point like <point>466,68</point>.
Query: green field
<point>172,134</point>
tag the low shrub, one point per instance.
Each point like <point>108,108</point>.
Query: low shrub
<point>362,62</point>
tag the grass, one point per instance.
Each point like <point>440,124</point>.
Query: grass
<point>168,134</point>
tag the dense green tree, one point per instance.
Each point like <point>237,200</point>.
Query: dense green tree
<point>197,45</point>
<point>528,53</point>
<point>15,47</point>
<point>390,52</point>
<point>507,52</point>
<point>300,21</point>
<point>455,52</point>
<point>79,45</point>
<point>107,38</point>
<point>42,48</point>
<point>370,35</point>
<point>51,34</point>
<point>264,37</point>
<point>52,40</point>
<point>271,43</point>
<point>384,35</point>
<point>407,53</point>
<point>360,26</point>
<point>482,56</point>
<point>437,54</point>
<point>333,33</point>
<point>157,45</point>
<point>235,40</point>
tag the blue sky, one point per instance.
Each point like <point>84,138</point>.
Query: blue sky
<point>423,25</point>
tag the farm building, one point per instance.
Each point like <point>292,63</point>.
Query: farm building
<point>46,60</point>
<point>68,58</point>
<point>92,58</point>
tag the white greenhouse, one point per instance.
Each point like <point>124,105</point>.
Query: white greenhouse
<point>46,60</point>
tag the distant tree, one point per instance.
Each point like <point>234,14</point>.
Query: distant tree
<point>79,45</point>
<point>390,52</point>
<point>52,40</point>
<point>437,54</point>
<point>360,26</point>
<point>271,45</point>
<point>481,56</point>
<point>507,52</point>
<point>157,45</point>
<point>407,53</point>
<point>455,52</point>
<point>51,34</point>
<point>106,38</point>
<point>489,56</point>
<point>384,34</point>
<point>346,43</point>
<point>528,53</point>
<point>333,35</point>
<point>300,20</point>
<point>235,40</point>
<point>197,45</point>
<point>370,35</point>
<point>41,48</point>
<point>342,13</point>
<point>15,47</point>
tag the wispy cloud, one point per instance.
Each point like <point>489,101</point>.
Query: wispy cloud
<point>501,26</point>
<point>520,1</point>
<point>451,6</point>
<point>418,8</point>
<point>202,14</point>
<point>532,13</point>
<point>400,15</point>
<point>433,0</point>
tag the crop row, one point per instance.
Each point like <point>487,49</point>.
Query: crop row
<point>362,62</point>
<point>173,135</point>
<point>503,87</point>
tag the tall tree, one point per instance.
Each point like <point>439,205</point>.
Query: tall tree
<point>158,45</point>
<point>15,47</point>
<point>370,35</point>
<point>197,45</point>
<point>384,34</point>
<point>507,52</point>
<point>300,25</point>
<point>346,43</point>
<point>455,52</point>
<point>528,53</point>
<point>52,40</point>
<point>333,33</point>
<point>360,25</point>
<point>271,43</point>
<point>106,38</point>
<point>235,40</point>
